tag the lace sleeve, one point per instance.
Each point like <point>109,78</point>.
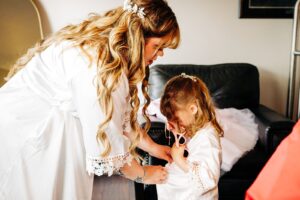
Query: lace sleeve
<point>202,176</point>
<point>100,166</point>
<point>91,115</point>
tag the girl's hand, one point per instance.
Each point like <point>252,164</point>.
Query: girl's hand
<point>162,152</point>
<point>178,156</point>
<point>154,174</point>
<point>177,152</point>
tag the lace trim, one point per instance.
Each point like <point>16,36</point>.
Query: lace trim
<point>195,176</point>
<point>203,179</point>
<point>100,166</point>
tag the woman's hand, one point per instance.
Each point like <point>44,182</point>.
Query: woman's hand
<point>161,151</point>
<point>154,174</point>
<point>150,174</point>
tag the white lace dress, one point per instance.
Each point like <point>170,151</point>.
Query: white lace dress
<point>201,182</point>
<point>49,115</point>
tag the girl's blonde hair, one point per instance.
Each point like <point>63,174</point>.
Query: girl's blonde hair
<point>118,37</point>
<point>183,90</point>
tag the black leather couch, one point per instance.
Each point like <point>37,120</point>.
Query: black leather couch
<point>231,85</point>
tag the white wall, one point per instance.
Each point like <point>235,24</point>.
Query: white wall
<point>211,33</point>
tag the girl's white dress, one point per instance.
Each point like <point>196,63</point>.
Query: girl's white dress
<point>49,116</point>
<point>240,131</point>
<point>201,182</point>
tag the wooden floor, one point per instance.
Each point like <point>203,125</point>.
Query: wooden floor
<point>113,188</point>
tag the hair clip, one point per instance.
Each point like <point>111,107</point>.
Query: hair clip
<point>184,75</point>
<point>132,7</point>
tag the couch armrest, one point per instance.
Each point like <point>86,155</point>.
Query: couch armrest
<point>273,127</point>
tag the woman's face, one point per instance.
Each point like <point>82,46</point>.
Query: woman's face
<point>154,47</point>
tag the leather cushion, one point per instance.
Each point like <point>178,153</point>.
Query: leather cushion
<point>231,84</point>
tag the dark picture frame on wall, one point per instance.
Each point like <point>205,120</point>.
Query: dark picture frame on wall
<point>267,8</point>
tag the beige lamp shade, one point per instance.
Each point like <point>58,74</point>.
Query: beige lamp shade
<point>19,30</point>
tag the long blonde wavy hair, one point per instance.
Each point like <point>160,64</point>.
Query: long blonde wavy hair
<point>118,37</point>
<point>183,90</point>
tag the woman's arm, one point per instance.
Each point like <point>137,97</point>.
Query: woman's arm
<point>154,149</point>
<point>145,174</point>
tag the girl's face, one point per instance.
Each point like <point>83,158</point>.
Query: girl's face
<point>185,116</point>
<point>154,47</point>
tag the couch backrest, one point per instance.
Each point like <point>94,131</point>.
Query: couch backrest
<point>231,84</point>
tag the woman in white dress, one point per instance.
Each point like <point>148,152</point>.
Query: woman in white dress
<point>191,117</point>
<point>69,108</point>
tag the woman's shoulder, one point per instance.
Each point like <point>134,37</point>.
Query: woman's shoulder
<point>68,49</point>
<point>61,52</point>
<point>71,60</point>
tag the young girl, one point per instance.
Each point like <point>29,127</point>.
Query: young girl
<point>191,117</point>
<point>69,110</point>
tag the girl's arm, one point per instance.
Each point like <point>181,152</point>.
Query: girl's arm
<point>204,160</point>
<point>177,155</point>
<point>203,169</point>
